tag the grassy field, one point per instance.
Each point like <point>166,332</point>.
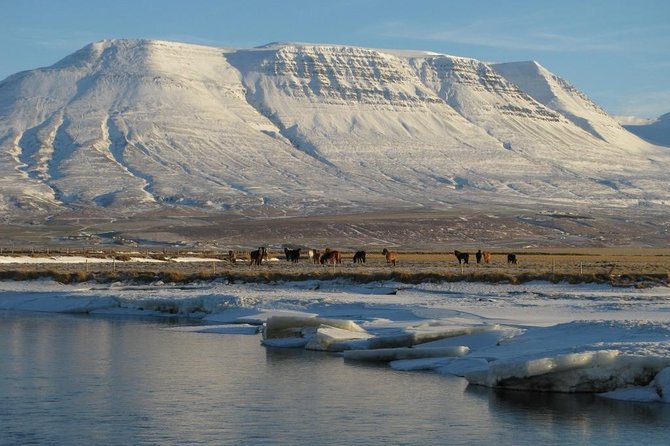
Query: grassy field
<point>619,266</point>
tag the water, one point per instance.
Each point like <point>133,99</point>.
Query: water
<point>82,380</point>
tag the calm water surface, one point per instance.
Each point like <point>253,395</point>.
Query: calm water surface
<point>82,380</point>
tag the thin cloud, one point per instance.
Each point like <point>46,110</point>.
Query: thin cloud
<point>62,44</point>
<point>51,39</point>
<point>207,42</point>
<point>524,34</point>
<point>650,104</point>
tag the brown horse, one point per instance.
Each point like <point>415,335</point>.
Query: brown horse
<point>391,256</point>
<point>487,256</point>
<point>332,257</point>
<point>232,258</point>
<point>258,255</point>
<point>315,255</point>
<point>511,259</point>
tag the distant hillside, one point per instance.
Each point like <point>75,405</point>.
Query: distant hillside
<point>656,132</point>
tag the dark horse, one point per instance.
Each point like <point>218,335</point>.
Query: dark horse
<point>292,255</point>
<point>462,257</point>
<point>258,255</point>
<point>511,259</point>
<point>331,257</point>
<point>359,257</point>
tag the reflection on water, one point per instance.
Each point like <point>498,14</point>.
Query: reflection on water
<point>579,417</point>
<point>80,380</point>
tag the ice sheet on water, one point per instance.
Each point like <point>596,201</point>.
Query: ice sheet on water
<point>55,302</point>
<point>598,371</point>
<point>662,384</point>
<point>292,326</point>
<point>626,359</point>
<point>478,337</point>
<point>329,338</point>
<point>253,315</point>
<point>285,342</point>
<point>624,351</point>
<point>656,391</point>
<point>392,354</point>
<point>458,366</point>
<point>312,333</point>
<point>219,329</point>
<point>585,356</point>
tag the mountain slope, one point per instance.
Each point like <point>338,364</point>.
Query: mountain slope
<point>557,94</point>
<point>135,126</point>
<point>298,129</point>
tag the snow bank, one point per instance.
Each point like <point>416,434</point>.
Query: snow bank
<point>194,259</point>
<point>23,259</point>
<point>599,371</point>
<point>53,259</point>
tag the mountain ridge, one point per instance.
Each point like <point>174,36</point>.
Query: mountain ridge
<point>302,129</point>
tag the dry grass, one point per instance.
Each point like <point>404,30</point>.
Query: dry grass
<point>631,267</point>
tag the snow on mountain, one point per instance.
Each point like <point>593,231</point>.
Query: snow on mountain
<point>655,131</point>
<point>136,125</point>
<point>557,94</point>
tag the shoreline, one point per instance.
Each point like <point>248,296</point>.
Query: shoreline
<point>534,336</point>
<point>405,277</point>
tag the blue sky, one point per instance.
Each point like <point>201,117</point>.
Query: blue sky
<point>617,52</point>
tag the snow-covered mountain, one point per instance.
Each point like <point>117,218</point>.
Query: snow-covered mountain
<point>300,129</point>
<point>656,131</point>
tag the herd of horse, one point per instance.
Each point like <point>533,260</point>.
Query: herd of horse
<point>334,257</point>
<point>482,257</point>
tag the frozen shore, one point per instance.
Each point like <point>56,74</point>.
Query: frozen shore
<point>535,336</point>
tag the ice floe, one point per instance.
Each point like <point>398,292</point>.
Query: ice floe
<point>538,336</point>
